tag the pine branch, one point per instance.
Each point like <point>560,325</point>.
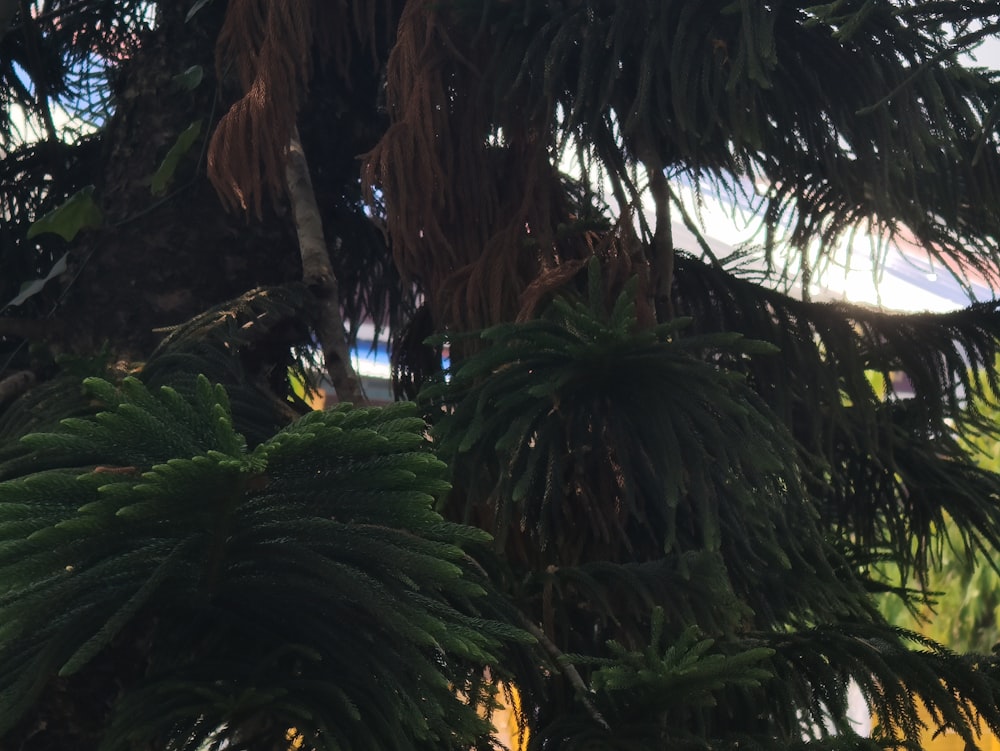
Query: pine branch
<point>567,668</point>
<point>318,275</point>
<point>577,437</point>
<point>180,522</point>
<point>892,462</point>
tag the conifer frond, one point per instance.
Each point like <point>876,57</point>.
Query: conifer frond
<point>944,358</point>
<point>579,437</point>
<point>687,671</point>
<point>595,368</point>
<point>275,588</point>
<point>249,344</point>
<point>802,99</point>
<point>671,684</point>
<point>57,58</point>
<point>691,587</point>
<point>687,516</point>
<point>41,408</point>
<point>886,465</point>
<point>898,672</point>
<point>533,425</point>
<point>781,690</point>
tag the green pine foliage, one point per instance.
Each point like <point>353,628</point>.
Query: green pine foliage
<point>295,585</point>
<point>714,599</point>
<point>550,428</point>
<point>962,590</point>
<point>887,468</point>
<point>804,95</point>
<point>684,493</point>
<point>683,674</point>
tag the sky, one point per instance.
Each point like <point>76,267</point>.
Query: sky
<point>988,54</point>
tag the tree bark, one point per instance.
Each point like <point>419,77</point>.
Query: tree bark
<point>160,260</point>
<point>662,255</point>
<point>317,273</point>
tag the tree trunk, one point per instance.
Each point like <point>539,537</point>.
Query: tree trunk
<point>160,259</point>
<point>156,262</point>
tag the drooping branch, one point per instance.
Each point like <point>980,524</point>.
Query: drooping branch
<point>270,48</point>
<point>478,229</point>
<point>318,275</point>
<point>568,669</point>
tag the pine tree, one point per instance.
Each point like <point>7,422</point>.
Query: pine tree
<point>652,493</point>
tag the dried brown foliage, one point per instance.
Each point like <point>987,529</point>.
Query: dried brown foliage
<point>465,178</point>
<point>464,174</point>
<point>621,252</point>
<point>269,46</point>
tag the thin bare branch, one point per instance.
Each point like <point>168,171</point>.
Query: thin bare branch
<point>568,670</point>
<point>662,256</point>
<point>318,275</point>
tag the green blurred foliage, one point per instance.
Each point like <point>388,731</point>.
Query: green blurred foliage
<point>962,608</point>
